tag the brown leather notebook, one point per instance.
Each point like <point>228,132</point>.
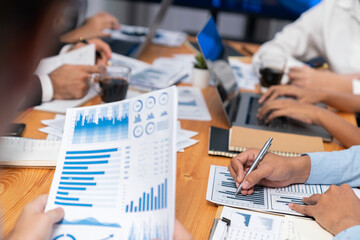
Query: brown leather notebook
<point>285,144</point>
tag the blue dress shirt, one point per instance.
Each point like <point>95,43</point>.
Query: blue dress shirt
<point>337,168</point>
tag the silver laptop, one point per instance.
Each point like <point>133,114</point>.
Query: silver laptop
<point>241,108</point>
<point>134,50</point>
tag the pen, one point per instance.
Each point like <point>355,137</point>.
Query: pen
<point>248,51</point>
<point>259,157</point>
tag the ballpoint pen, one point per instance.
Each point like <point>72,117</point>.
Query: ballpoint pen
<point>259,157</point>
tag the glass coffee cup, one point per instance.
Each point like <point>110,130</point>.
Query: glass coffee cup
<point>114,82</point>
<point>271,70</point>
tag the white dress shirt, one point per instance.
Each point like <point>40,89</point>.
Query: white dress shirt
<point>330,30</point>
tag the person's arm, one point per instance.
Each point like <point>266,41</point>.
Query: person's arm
<point>341,101</point>
<point>298,39</point>
<point>345,132</point>
<point>351,233</point>
<point>308,77</point>
<point>92,28</point>
<point>336,167</point>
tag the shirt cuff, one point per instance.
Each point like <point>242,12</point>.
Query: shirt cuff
<point>356,86</point>
<point>66,48</point>
<point>317,173</point>
<point>47,88</point>
<point>352,233</point>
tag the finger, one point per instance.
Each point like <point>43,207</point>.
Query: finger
<point>266,95</point>
<point>297,69</point>
<point>237,177</point>
<point>91,69</point>
<point>265,109</point>
<point>38,204</point>
<point>296,75</point>
<point>55,215</point>
<point>104,48</point>
<point>303,209</point>
<point>312,200</point>
<point>278,113</point>
<point>256,176</point>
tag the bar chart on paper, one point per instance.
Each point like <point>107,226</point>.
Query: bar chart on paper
<point>90,178</point>
<point>153,200</point>
<point>225,188</point>
<point>101,124</point>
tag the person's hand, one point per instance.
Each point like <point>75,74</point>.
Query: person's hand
<point>272,171</point>
<point>34,223</point>
<point>306,113</point>
<point>95,25</point>
<point>335,210</point>
<point>180,232</point>
<point>100,46</point>
<point>308,77</point>
<point>303,95</point>
<point>72,81</point>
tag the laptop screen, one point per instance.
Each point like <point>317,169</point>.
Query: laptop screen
<point>209,41</point>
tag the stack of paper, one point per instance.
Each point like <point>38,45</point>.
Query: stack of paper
<point>138,34</point>
<point>54,127</point>
<point>148,77</point>
<point>244,74</point>
<point>184,138</point>
<point>185,61</point>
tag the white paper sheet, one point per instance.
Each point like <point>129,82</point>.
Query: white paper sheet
<point>192,105</point>
<point>252,225</point>
<point>244,74</point>
<point>81,56</point>
<point>116,170</point>
<point>247,225</point>
<point>53,131</point>
<point>221,190</point>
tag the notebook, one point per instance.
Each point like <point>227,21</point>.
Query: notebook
<point>219,143</point>
<point>28,153</point>
<point>284,144</point>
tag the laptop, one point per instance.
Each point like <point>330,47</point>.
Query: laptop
<point>241,108</point>
<point>134,49</point>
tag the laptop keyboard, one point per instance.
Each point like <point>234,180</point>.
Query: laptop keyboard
<point>277,123</point>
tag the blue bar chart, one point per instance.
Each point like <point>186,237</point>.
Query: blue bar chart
<point>106,124</point>
<point>155,199</point>
<point>257,198</point>
<point>90,178</point>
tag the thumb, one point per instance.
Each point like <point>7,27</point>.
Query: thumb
<point>255,177</point>
<point>55,215</point>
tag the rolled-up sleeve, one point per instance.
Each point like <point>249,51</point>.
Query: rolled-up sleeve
<point>335,167</point>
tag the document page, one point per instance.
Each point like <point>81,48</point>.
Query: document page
<point>116,170</point>
<point>221,190</point>
<point>192,105</point>
<point>248,225</point>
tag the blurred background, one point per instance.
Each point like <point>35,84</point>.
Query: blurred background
<point>246,20</point>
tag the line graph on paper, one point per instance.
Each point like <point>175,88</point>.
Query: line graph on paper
<point>101,124</point>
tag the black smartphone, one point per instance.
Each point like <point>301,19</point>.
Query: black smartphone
<point>15,129</point>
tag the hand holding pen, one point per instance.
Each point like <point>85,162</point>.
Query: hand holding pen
<point>273,171</point>
<point>259,157</point>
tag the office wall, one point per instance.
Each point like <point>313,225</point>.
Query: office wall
<point>184,19</point>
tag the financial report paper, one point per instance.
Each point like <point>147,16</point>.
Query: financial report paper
<point>116,171</point>
<point>221,190</point>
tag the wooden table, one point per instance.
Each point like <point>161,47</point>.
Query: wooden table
<point>19,186</point>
